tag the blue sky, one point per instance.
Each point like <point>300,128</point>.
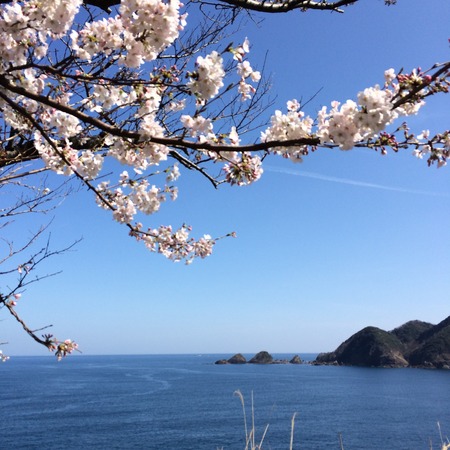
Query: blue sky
<point>324,248</point>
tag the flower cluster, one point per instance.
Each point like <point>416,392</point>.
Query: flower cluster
<point>352,122</point>
<point>61,349</point>
<point>64,348</point>
<point>139,155</point>
<point>12,300</point>
<point>245,170</point>
<point>289,127</point>
<point>435,148</point>
<point>142,30</point>
<point>344,124</point>
<point>245,71</point>
<point>65,160</point>
<point>3,357</point>
<point>339,126</point>
<point>198,126</point>
<point>207,79</point>
<point>176,245</point>
<point>26,26</point>
<point>133,196</point>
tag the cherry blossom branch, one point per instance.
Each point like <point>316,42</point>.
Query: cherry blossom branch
<point>61,349</point>
<point>46,342</point>
<point>24,269</point>
<point>176,142</point>
<point>31,198</point>
<point>13,252</point>
<point>417,83</point>
<point>174,245</point>
<point>8,178</point>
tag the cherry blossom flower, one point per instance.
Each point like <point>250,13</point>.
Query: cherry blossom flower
<point>246,171</point>
<point>208,77</point>
<point>291,126</point>
<point>197,125</point>
<point>65,348</point>
<point>234,137</point>
<point>3,357</point>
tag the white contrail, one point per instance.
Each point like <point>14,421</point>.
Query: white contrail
<point>318,176</point>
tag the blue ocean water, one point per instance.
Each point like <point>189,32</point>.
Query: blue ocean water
<point>187,403</point>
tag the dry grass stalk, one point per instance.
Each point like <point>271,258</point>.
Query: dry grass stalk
<point>250,436</point>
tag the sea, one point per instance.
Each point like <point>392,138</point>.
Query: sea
<point>186,402</point>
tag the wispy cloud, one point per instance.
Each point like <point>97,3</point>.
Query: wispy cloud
<point>318,176</point>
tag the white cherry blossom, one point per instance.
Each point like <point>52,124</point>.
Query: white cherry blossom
<point>208,77</point>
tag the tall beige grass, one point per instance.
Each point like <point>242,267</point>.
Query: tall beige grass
<point>444,445</point>
<point>251,443</point>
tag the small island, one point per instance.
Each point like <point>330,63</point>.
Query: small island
<point>262,357</point>
<point>414,344</point>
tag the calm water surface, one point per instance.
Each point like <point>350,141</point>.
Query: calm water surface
<point>186,402</point>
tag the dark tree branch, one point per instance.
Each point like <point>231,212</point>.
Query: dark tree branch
<point>46,342</point>
<point>271,6</point>
<point>275,6</point>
